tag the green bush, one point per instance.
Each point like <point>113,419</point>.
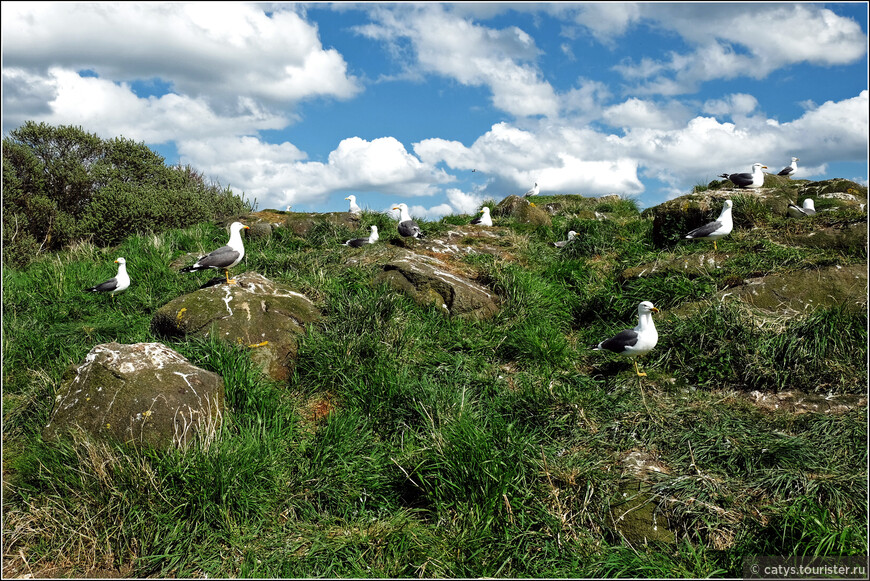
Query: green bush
<point>62,184</point>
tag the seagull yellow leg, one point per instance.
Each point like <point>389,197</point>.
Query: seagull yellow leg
<point>715,247</point>
<point>228,278</point>
<point>638,371</point>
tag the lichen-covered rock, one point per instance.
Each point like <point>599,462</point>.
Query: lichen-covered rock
<point>255,312</point>
<point>673,219</point>
<point>144,393</point>
<point>797,292</point>
<point>849,237</point>
<point>523,211</point>
<point>425,280</point>
<point>301,223</point>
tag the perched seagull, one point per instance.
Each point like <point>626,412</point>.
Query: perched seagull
<point>789,169</point>
<point>114,285</point>
<point>747,180</point>
<point>637,341</point>
<point>287,209</point>
<point>722,226</point>
<point>563,243</point>
<point>809,209</point>
<point>357,242</point>
<point>225,257</point>
<point>354,209</point>
<point>484,219</point>
<point>533,192</point>
<point>407,227</point>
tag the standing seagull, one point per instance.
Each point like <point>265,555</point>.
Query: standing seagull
<point>809,209</point>
<point>789,169</point>
<point>225,257</point>
<point>357,242</point>
<point>722,226</point>
<point>407,227</point>
<point>354,209</point>
<point>637,341</point>
<point>533,192</point>
<point>747,180</point>
<point>563,243</point>
<point>484,219</point>
<point>114,285</point>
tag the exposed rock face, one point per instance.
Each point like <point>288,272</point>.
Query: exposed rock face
<point>523,211</point>
<point>850,237</point>
<point>301,223</point>
<point>144,393</point>
<point>255,312</point>
<point>427,282</point>
<point>797,292</point>
<point>673,219</point>
<point>798,402</point>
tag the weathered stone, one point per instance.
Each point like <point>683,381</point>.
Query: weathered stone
<point>144,393</point>
<point>849,237</point>
<point>523,211</point>
<point>302,223</point>
<point>425,279</point>
<point>700,264</point>
<point>674,218</point>
<point>259,231</point>
<point>255,312</point>
<point>796,292</point>
<point>635,516</point>
<point>798,402</point>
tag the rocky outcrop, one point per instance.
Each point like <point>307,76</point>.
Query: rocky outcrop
<point>674,218</point>
<point>426,280</point>
<point>523,211</point>
<point>144,393</point>
<point>301,223</point>
<point>255,312</point>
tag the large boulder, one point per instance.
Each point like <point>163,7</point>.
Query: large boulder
<point>426,280</point>
<point>523,211</point>
<point>254,312</point>
<point>145,393</point>
<point>673,219</point>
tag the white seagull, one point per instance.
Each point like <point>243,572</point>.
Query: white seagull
<point>354,209</point>
<point>808,209</point>
<point>563,243</point>
<point>720,227</point>
<point>747,180</point>
<point>407,227</point>
<point>114,285</point>
<point>637,341</point>
<point>357,242</point>
<point>484,219</point>
<point>533,192</point>
<point>789,169</point>
<point>225,257</point>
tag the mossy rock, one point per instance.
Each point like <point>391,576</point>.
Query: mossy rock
<point>674,218</point>
<point>144,394</point>
<point>255,313</point>
<point>301,223</point>
<point>635,516</point>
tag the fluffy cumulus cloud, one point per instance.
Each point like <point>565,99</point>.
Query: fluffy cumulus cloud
<point>242,70</point>
<point>734,40</point>
<point>278,175</point>
<point>447,44</point>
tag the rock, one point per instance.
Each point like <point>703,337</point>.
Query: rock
<point>302,223</point>
<point>798,402</point>
<point>849,237</point>
<point>425,279</point>
<point>795,292</point>
<point>673,219</point>
<point>255,312</point>
<point>259,231</point>
<point>635,515</point>
<point>144,393</point>
<point>522,210</point>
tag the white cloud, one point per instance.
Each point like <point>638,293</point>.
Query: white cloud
<point>737,104</point>
<point>449,45</point>
<point>214,51</point>
<point>639,113</point>
<point>278,175</point>
<point>742,40</point>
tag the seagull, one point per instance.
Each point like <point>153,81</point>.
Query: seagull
<point>747,180</point>
<point>789,169</point>
<point>357,242</point>
<point>533,192</point>
<point>722,226</point>
<point>563,243</point>
<point>225,257</point>
<point>637,341</point>
<point>354,209</point>
<point>113,286</point>
<point>407,227</point>
<point>809,209</point>
<point>485,219</point>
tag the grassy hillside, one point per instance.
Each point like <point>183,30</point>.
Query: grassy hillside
<point>409,444</point>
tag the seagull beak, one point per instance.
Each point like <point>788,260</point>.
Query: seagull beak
<point>247,227</point>
<point>764,167</point>
<point>347,198</point>
<point>116,261</point>
<point>654,309</point>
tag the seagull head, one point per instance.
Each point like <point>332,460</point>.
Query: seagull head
<point>238,227</point>
<point>121,261</point>
<point>757,166</point>
<point>646,307</point>
<point>794,159</point>
<point>571,235</point>
<point>374,229</point>
<point>351,198</point>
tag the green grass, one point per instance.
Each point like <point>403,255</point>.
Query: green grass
<point>454,448</point>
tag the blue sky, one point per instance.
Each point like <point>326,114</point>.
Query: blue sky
<point>303,104</point>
